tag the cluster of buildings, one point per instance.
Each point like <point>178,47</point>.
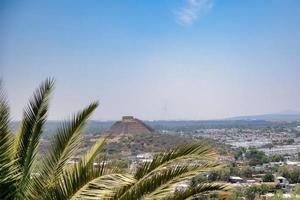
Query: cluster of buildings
<point>282,149</point>
<point>246,137</point>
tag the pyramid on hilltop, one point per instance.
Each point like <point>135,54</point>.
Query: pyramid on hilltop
<point>130,125</point>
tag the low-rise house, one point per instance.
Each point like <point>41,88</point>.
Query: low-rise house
<point>251,181</point>
<point>229,158</point>
<point>235,179</point>
<point>281,182</point>
<point>276,164</point>
<point>145,157</point>
<point>259,168</point>
<point>293,163</point>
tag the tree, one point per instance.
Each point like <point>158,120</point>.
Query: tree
<point>268,177</point>
<point>292,174</point>
<point>219,175</point>
<point>239,153</point>
<point>246,171</point>
<point>276,158</point>
<point>256,157</point>
<point>253,191</point>
<point>23,177</point>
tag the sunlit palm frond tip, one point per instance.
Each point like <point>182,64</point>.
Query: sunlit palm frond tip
<point>183,152</point>
<point>31,127</point>
<point>63,146</point>
<point>169,168</point>
<point>29,133</point>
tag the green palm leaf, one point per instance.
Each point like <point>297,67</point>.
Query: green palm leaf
<point>160,183</point>
<point>30,130</point>
<point>170,167</point>
<point>85,181</point>
<point>183,152</point>
<point>64,144</point>
<point>170,186</point>
<point>66,141</point>
<point>75,177</point>
<point>90,156</point>
<point>103,186</point>
<point>28,135</point>
<point>71,181</point>
<point>8,171</point>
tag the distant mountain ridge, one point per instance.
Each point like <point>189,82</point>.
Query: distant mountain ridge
<point>283,116</point>
<point>98,127</point>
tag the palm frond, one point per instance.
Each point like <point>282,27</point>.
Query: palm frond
<point>104,187</point>
<point>29,133</point>
<point>76,177</point>
<point>147,185</point>
<point>30,130</point>
<point>169,168</point>
<point>90,156</point>
<point>85,181</point>
<point>193,151</point>
<point>8,170</point>
<point>170,186</point>
<point>168,175</point>
<point>64,144</point>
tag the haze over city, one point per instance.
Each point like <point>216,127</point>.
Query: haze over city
<point>183,59</point>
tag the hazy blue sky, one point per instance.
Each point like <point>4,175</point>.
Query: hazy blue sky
<point>155,59</point>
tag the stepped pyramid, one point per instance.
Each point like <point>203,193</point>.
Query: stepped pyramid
<point>130,125</point>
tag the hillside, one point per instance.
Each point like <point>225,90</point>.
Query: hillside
<point>133,144</point>
<point>131,136</point>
